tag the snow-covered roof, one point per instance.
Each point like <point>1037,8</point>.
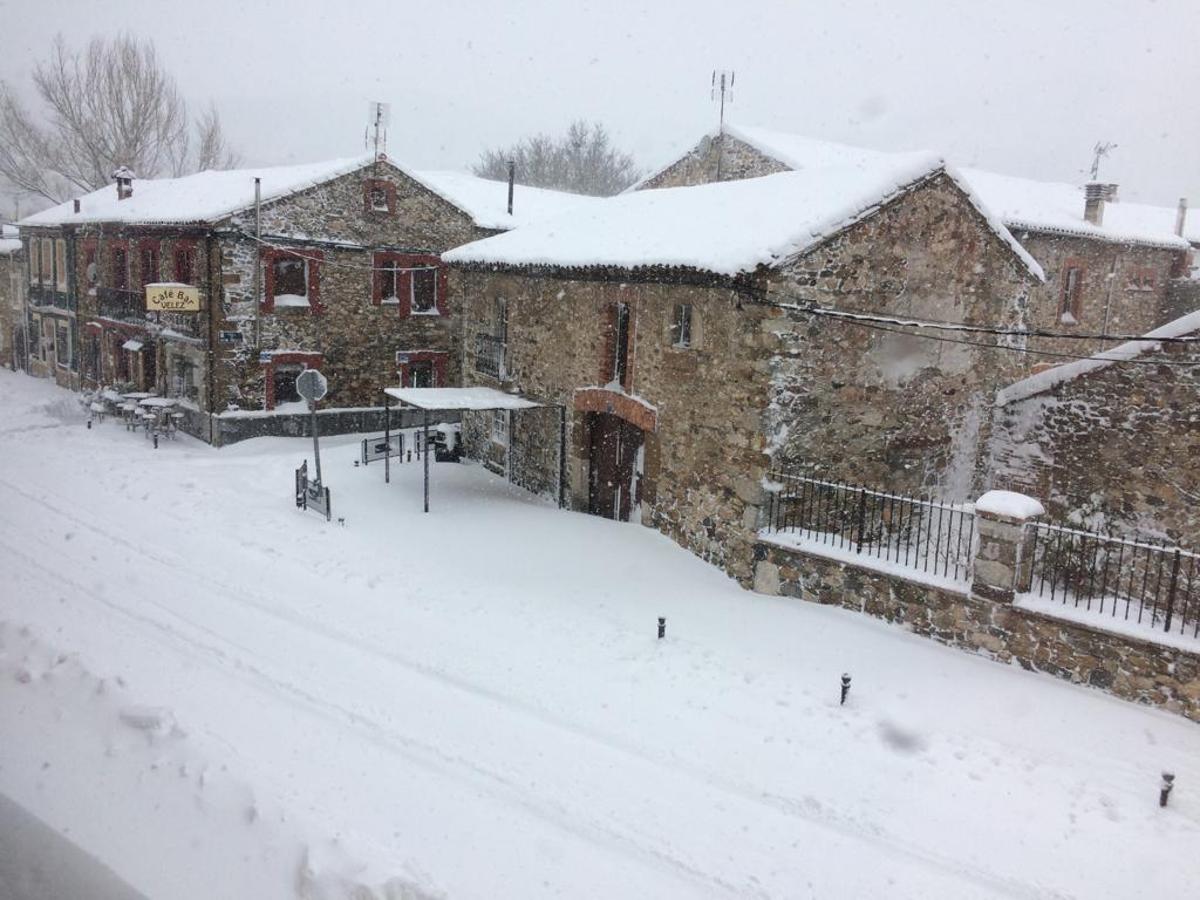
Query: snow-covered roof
<point>1058,207</point>
<point>1018,202</point>
<point>726,228</point>
<point>486,201</point>
<point>1043,381</point>
<point>204,197</point>
<point>468,398</point>
<point>212,195</point>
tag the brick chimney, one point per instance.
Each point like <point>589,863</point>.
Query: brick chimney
<point>1095,196</point>
<point>1181,216</point>
<point>124,179</point>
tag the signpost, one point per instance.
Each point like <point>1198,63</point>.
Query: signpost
<point>312,386</point>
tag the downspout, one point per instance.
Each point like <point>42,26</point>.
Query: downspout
<point>258,261</point>
<point>212,321</point>
<point>1112,278</point>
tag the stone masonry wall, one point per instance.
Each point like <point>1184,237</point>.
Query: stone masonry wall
<point>12,310</point>
<point>883,408</point>
<point>1118,446</point>
<point>699,166</point>
<point>358,339</point>
<point>1112,298</point>
<point>1129,668</point>
<point>704,462</point>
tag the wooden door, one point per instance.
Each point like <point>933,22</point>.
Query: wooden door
<point>614,455</point>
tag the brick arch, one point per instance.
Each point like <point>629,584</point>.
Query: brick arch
<point>602,400</point>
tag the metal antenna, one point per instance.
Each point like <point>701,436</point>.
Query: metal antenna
<point>722,87</point>
<point>380,114</point>
<point>1101,150</point>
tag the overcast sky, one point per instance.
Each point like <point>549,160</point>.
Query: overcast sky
<point>1019,86</point>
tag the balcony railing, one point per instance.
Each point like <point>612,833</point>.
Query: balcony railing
<point>491,356</point>
<point>47,295</point>
<point>121,303</point>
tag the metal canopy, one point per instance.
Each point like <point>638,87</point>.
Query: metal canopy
<point>475,399</point>
<point>472,399</point>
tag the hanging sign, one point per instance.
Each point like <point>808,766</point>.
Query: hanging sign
<point>172,298</point>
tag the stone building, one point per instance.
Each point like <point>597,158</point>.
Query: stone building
<point>337,266</point>
<point>1111,267</point>
<point>674,328</point>
<point>12,299</point>
<point>1112,441</point>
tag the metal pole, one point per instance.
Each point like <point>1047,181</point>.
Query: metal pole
<point>426,455</point>
<point>512,174</point>
<point>258,260</point>
<point>562,457</point>
<point>312,406</point>
<point>387,439</point>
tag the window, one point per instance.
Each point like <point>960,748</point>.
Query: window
<point>379,196</point>
<point>500,320</point>
<point>283,378</point>
<point>421,374</point>
<point>47,272</point>
<point>291,281</point>
<point>47,347</point>
<point>500,427</point>
<point>1069,308</point>
<point>681,325</point>
<point>424,290</point>
<point>60,264</point>
<point>62,345</point>
<point>184,265</point>
<point>620,362</point>
<point>34,260</point>
<point>150,268</point>
<point>1142,279</point>
<point>120,268</point>
<point>184,381</point>
<point>388,273</point>
<point>91,272</point>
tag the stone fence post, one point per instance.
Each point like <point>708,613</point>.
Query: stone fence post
<point>1000,522</point>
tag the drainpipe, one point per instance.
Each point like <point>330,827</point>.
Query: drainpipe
<point>258,259</point>
<point>212,321</point>
<point>1112,279</point>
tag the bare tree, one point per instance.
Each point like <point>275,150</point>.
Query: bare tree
<point>583,160</point>
<point>111,104</point>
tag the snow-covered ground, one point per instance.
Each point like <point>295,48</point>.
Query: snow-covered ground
<point>218,695</point>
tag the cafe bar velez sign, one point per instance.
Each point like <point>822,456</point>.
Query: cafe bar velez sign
<point>172,298</point>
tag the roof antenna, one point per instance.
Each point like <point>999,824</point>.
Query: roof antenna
<point>722,87</point>
<point>1101,150</point>
<point>380,115</point>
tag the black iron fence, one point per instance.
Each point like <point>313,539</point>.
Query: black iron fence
<point>1156,585</point>
<point>490,355</point>
<point>911,532</point>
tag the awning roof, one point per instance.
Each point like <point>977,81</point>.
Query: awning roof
<point>469,398</point>
<point>132,344</point>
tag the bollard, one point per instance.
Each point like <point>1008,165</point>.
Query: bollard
<point>1168,782</point>
<point>845,687</point>
<point>356,464</point>
<point>156,442</point>
<point>89,424</point>
<point>662,628</point>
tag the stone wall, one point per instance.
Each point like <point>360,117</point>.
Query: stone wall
<point>1129,668</point>
<point>735,159</point>
<point>357,339</point>
<point>1114,296</point>
<point>1119,447</point>
<point>878,407</point>
<point>13,277</point>
<point>704,458</point>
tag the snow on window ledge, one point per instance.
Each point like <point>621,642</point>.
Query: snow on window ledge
<point>426,312</point>
<point>294,300</point>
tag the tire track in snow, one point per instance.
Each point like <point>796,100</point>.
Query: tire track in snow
<point>800,809</point>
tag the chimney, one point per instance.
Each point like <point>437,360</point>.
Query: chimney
<point>512,175</point>
<point>1181,216</point>
<point>76,205</point>
<point>1095,196</point>
<point>124,179</point>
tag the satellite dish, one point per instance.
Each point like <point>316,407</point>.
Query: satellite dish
<point>312,385</point>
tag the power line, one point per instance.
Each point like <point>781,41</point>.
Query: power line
<point>874,323</point>
<point>980,329</point>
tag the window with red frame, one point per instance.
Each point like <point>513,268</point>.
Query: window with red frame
<point>379,197</point>
<point>184,264</point>
<point>1071,304</point>
<point>150,268</point>
<point>421,370</point>
<point>388,273</point>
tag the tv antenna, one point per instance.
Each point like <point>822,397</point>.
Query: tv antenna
<point>380,116</point>
<point>722,85</point>
<point>1101,150</point>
